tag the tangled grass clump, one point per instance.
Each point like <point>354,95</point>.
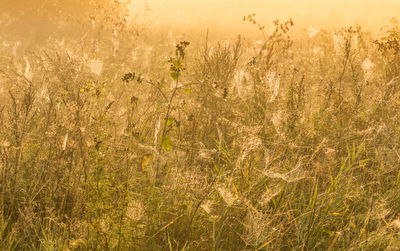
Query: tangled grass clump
<point>268,146</point>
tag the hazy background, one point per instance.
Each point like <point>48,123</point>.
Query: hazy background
<point>226,15</point>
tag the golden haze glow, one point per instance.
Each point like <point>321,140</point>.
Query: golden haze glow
<point>227,14</point>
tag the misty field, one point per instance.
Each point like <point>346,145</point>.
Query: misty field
<point>117,135</point>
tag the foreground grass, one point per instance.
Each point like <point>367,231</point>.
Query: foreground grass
<point>268,145</point>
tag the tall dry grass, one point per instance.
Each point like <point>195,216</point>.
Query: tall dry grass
<point>121,143</point>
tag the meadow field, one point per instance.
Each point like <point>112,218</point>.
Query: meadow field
<point>118,135</point>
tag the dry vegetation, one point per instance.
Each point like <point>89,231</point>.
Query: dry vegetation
<point>119,140</point>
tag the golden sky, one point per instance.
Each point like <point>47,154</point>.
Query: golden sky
<point>227,14</point>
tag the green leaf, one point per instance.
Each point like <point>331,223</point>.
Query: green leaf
<point>167,143</point>
<point>170,121</point>
<point>174,75</point>
<point>161,84</point>
<point>178,64</point>
<point>187,91</point>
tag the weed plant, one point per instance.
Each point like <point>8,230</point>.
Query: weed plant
<point>117,142</point>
